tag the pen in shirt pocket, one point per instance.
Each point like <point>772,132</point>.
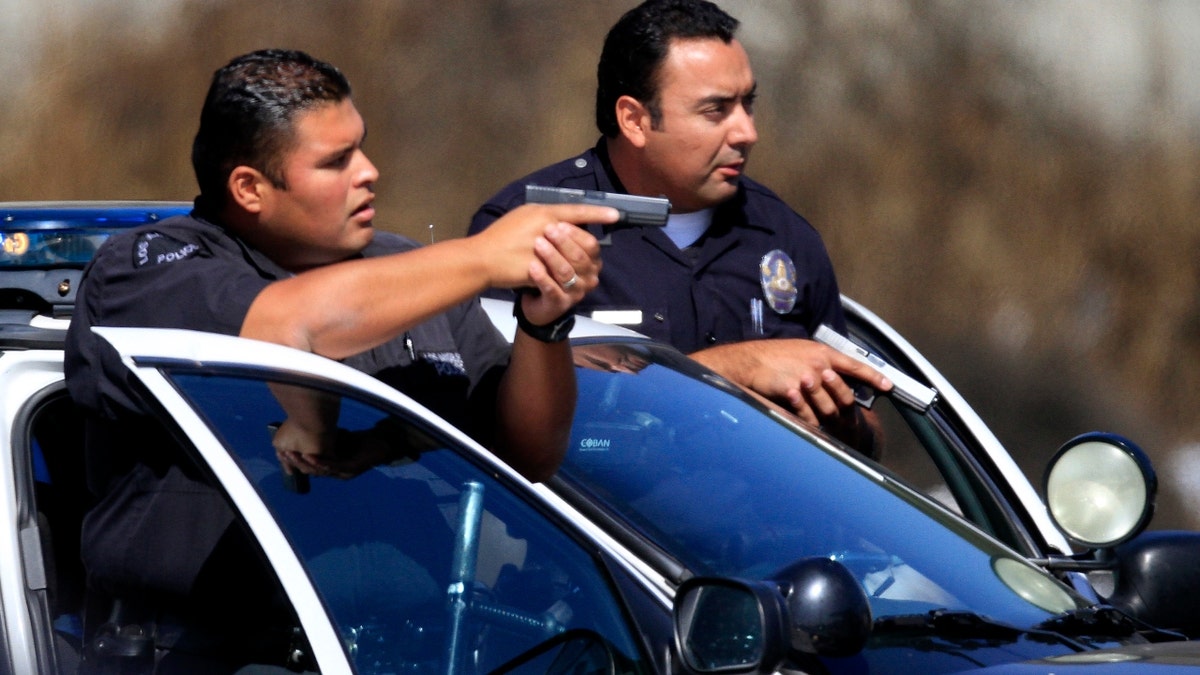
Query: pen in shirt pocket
<point>756,315</point>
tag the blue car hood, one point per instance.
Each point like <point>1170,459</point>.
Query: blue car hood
<point>1165,657</point>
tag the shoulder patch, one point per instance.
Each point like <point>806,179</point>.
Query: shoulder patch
<point>156,248</point>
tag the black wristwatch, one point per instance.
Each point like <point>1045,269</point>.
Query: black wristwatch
<point>555,331</point>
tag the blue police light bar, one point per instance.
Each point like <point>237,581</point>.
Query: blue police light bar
<point>58,235</point>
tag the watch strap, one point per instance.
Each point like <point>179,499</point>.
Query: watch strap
<point>555,331</point>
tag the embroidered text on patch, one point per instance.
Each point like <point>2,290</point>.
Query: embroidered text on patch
<point>156,248</point>
<point>446,363</point>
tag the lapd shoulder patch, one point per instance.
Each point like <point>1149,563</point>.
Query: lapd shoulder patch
<point>156,248</point>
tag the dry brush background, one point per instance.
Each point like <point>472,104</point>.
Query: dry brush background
<point>1046,264</point>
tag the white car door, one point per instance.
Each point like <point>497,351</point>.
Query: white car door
<point>430,555</point>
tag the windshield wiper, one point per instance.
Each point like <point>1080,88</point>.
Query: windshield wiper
<point>962,625</point>
<point>1106,621</point>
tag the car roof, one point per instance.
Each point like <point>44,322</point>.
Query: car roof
<point>500,312</point>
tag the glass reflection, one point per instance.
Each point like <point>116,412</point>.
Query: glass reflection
<point>382,537</point>
<point>729,488</point>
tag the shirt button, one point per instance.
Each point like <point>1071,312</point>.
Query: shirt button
<point>710,338</point>
<point>580,163</point>
<point>658,316</point>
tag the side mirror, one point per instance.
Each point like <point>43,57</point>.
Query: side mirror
<point>1155,574</point>
<point>1100,490</point>
<point>828,609</point>
<point>812,607</point>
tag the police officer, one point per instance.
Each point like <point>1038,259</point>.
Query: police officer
<point>280,247</point>
<point>737,279</point>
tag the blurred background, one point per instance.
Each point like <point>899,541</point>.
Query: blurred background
<point>1013,186</point>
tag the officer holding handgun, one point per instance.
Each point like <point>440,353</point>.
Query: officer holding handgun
<point>282,248</point>
<point>736,278</point>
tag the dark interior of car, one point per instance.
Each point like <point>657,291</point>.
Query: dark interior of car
<point>55,480</point>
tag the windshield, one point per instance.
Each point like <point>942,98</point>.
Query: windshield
<point>730,488</point>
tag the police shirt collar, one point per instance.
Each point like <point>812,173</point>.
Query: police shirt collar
<point>203,213</point>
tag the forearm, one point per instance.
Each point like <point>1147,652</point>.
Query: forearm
<point>349,307</point>
<point>737,361</point>
<point>806,376</point>
<point>536,406</point>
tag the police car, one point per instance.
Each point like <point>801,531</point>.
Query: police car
<point>691,528</point>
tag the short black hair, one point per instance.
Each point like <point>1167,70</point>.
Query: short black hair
<point>637,45</point>
<point>249,113</point>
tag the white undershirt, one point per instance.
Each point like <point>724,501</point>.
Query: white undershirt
<point>685,228</point>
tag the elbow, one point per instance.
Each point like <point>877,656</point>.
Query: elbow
<point>534,440</point>
<point>536,462</point>
<point>541,466</point>
<point>540,472</point>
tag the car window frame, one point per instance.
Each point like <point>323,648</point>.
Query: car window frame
<point>451,440</point>
<point>968,469</point>
<point>32,552</point>
<point>163,401</point>
<point>166,400</point>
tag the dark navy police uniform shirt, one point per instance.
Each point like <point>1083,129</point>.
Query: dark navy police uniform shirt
<point>157,520</point>
<point>186,272</point>
<point>714,293</point>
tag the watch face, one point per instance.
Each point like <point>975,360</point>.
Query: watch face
<point>559,330</point>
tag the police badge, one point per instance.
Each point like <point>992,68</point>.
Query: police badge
<point>777,274</point>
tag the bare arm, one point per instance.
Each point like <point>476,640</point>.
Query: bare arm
<point>536,406</point>
<point>346,308</point>
<point>536,402</point>
<point>804,375</point>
